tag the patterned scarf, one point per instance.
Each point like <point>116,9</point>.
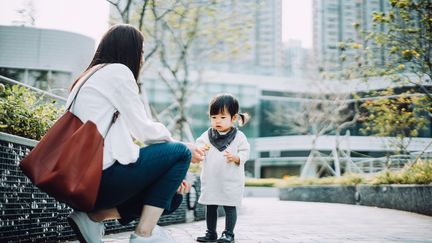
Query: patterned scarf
<point>221,141</point>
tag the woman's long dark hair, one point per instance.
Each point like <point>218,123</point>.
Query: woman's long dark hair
<point>123,44</point>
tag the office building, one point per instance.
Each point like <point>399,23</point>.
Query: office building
<point>44,58</point>
<point>333,23</point>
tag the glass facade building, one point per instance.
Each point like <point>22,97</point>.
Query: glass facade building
<point>277,149</point>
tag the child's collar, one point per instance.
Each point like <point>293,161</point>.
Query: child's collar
<point>223,133</point>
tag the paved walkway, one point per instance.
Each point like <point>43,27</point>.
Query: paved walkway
<point>271,220</point>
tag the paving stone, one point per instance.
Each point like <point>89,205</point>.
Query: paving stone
<point>270,220</point>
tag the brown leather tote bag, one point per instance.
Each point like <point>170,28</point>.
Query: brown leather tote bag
<point>67,162</point>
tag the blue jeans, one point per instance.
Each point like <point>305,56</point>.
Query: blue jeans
<point>152,180</point>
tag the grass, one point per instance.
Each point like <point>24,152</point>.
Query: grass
<point>346,180</point>
<point>266,182</point>
<point>414,173</point>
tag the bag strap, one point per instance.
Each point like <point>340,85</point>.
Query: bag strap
<point>83,82</point>
<point>116,113</point>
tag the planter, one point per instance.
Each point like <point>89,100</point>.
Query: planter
<point>318,193</point>
<point>412,198</point>
<point>261,191</point>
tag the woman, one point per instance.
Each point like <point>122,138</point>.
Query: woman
<point>136,182</point>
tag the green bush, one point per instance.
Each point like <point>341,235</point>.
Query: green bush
<point>22,113</point>
<point>347,180</point>
<point>416,173</point>
<point>413,173</point>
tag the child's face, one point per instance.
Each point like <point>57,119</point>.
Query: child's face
<point>222,122</point>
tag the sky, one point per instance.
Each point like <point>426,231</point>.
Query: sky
<point>297,21</point>
<point>90,17</point>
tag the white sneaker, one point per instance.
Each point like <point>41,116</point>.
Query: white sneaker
<point>86,229</point>
<point>163,232</point>
<point>159,235</point>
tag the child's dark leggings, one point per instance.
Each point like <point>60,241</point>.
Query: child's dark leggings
<point>230,218</point>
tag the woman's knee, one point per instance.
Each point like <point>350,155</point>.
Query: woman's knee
<point>183,152</point>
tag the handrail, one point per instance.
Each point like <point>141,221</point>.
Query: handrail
<point>45,93</point>
<point>17,139</point>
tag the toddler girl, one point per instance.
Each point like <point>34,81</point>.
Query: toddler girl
<point>222,176</point>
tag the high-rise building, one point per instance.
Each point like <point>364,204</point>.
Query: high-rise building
<point>297,60</point>
<point>333,23</point>
<point>368,7</point>
<point>268,39</point>
<point>260,47</point>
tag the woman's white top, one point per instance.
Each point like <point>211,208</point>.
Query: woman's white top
<point>222,182</point>
<point>113,88</point>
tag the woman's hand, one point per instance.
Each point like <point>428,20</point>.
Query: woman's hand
<point>184,187</point>
<point>197,153</point>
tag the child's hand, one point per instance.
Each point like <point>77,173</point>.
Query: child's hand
<point>184,187</point>
<point>204,149</point>
<point>232,158</point>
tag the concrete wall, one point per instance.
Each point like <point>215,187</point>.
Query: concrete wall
<point>413,198</point>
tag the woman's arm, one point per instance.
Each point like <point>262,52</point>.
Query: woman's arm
<point>127,101</point>
<point>197,152</point>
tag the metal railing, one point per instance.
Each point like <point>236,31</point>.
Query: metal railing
<point>43,93</point>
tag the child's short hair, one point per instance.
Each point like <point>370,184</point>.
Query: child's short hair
<point>226,102</point>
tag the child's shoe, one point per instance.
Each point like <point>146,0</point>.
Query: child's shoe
<point>226,237</point>
<point>209,237</point>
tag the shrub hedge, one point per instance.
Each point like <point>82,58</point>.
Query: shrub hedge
<point>24,114</point>
<point>413,173</point>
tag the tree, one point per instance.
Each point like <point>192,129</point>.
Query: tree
<point>182,38</point>
<point>408,39</point>
<point>397,117</point>
<point>325,111</point>
<point>403,34</point>
<point>27,14</point>
<point>397,49</point>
